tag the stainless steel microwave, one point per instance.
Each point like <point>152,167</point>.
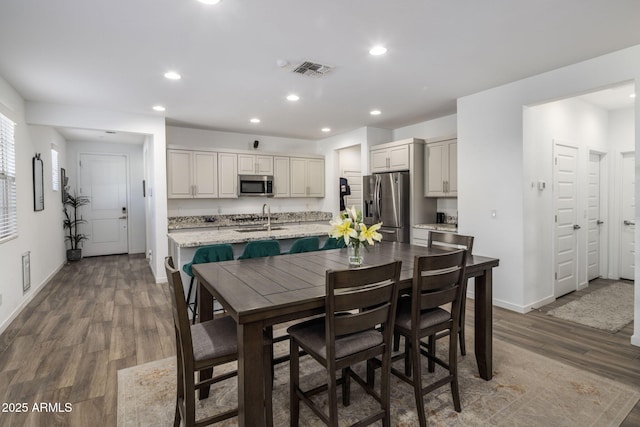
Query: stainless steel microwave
<point>255,185</point>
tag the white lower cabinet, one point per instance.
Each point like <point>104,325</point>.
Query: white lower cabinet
<point>420,237</point>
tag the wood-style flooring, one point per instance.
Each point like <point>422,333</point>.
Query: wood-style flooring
<point>103,314</point>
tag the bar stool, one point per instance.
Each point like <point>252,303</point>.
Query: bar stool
<point>210,253</point>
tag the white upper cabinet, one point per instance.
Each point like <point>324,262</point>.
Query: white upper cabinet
<point>307,177</point>
<point>255,164</point>
<point>281,177</point>
<point>228,175</point>
<point>192,174</point>
<point>389,159</point>
<point>441,175</point>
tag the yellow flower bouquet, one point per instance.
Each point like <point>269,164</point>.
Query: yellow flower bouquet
<point>350,228</point>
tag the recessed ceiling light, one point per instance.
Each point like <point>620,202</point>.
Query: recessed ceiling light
<point>293,97</point>
<point>375,112</point>
<point>326,129</point>
<point>159,108</point>
<point>633,95</point>
<point>378,50</point>
<point>172,75</point>
<point>209,1</point>
<point>255,120</point>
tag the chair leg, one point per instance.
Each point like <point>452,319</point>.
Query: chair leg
<point>346,387</point>
<point>385,389</point>
<point>417,381</point>
<point>180,388</point>
<point>195,306</point>
<point>189,296</point>
<point>453,371</point>
<point>431,349</point>
<point>333,398</point>
<point>294,383</point>
<point>396,341</point>
<point>407,356</point>
<point>268,331</point>
<point>463,309</point>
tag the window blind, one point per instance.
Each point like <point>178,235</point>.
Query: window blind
<point>8,210</point>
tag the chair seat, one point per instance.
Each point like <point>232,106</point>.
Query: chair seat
<point>214,339</point>
<point>428,318</point>
<point>312,334</point>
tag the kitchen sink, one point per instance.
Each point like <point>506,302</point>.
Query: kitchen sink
<point>254,229</point>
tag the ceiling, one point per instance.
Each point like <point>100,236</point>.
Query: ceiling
<point>112,55</point>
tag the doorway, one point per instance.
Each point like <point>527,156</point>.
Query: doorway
<point>104,179</point>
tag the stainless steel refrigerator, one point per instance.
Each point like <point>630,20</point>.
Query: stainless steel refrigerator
<point>386,198</point>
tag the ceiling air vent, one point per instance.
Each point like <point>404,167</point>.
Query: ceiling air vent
<point>312,69</point>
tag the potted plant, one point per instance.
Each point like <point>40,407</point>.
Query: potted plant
<point>72,222</point>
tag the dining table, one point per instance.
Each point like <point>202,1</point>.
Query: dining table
<point>262,292</point>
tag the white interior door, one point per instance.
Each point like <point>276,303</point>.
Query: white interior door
<point>566,195</point>
<point>103,178</point>
<point>354,178</point>
<point>628,226</point>
<point>594,222</point>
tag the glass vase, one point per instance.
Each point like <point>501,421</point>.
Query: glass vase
<point>355,256</point>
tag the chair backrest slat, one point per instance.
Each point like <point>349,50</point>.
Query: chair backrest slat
<point>360,299</point>
<point>437,280</point>
<point>451,240</point>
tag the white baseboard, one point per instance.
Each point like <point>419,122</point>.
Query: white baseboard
<point>635,340</point>
<point>506,305</point>
<point>29,297</point>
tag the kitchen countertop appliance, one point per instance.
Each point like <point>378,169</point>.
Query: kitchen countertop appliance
<point>386,198</point>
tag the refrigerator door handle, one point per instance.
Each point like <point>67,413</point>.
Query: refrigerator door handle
<point>377,197</point>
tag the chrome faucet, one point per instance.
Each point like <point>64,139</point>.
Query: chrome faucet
<point>268,225</point>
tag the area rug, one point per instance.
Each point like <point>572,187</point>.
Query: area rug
<point>527,389</point>
<point>609,309</point>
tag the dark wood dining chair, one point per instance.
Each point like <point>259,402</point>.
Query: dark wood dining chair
<point>459,241</point>
<point>201,346</point>
<point>437,281</point>
<point>357,302</point>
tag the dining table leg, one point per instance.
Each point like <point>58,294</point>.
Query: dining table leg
<point>483,324</point>
<point>251,377</point>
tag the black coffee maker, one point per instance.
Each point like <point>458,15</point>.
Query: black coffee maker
<point>440,217</point>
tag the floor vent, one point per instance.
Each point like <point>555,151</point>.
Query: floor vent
<point>26,271</point>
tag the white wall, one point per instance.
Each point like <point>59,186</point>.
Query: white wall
<point>569,122</point>
<point>136,215</point>
<point>41,232</point>
<point>492,176</point>
<point>155,161</point>
<point>443,126</point>
<point>364,138</point>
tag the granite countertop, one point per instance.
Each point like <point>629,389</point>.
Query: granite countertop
<point>438,227</point>
<point>209,221</point>
<point>190,239</point>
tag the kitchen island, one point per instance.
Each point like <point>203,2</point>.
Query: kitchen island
<point>183,244</point>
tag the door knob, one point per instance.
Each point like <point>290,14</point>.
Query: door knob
<point>599,222</point>
<point>576,227</point>
<point>627,222</point>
